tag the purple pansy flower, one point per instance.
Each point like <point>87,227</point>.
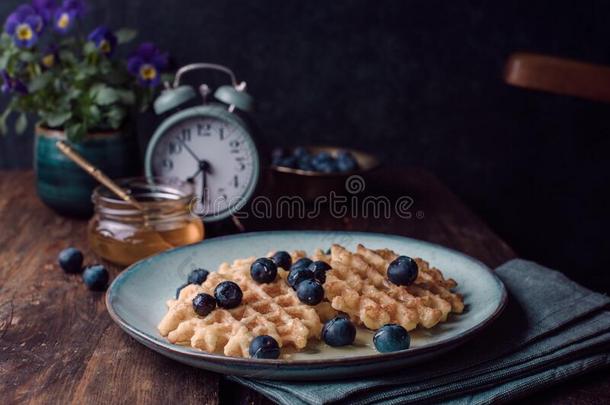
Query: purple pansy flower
<point>10,84</point>
<point>45,8</point>
<point>24,25</point>
<point>66,15</point>
<point>104,40</point>
<point>50,56</point>
<point>146,63</point>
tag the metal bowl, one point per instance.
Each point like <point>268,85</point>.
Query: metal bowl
<point>286,181</point>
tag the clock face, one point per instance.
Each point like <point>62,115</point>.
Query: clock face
<point>218,157</point>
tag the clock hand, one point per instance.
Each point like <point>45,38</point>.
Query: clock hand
<point>192,178</point>
<point>204,188</point>
<point>189,150</point>
<point>204,167</point>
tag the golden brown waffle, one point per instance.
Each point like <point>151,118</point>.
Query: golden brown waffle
<point>357,284</point>
<point>267,309</point>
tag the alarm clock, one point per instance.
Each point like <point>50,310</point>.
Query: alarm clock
<point>210,145</point>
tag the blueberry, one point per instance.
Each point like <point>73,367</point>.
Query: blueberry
<point>319,269</point>
<point>300,152</point>
<point>323,157</point>
<point>180,289</point>
<point>325,166</point>
<point>203,304</point>
<point>391,338</point>
<point>96,277</point>
<point>299,275</point>
<point>303,262</point>
<point>228,295</point>
<point>346,162</point>
<point>197,276</point>
<point>282,260</point>
<point>263,270</point>
<point>305,163</point>
<point>289,161</point>
<point>71,260</point>
<point>310,292</point>
<point>264,347</point>
<point>402,271</point>
<point>278,153</point>
<point>339,331</point>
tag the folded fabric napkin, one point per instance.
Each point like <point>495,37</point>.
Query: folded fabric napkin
<point>551,329</point>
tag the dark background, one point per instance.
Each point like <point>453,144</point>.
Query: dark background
<point>417,83</point>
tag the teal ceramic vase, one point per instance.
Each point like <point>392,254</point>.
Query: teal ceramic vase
<point>64,186</point>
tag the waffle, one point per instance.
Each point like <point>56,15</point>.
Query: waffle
<point>357,284</point>
<point>267,309</point>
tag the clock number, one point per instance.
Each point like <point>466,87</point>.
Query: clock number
<point>234,144</point>
<point>203,130</point>
<point>222,193</point>
<point>167,164</point>
<point>221,133</point>
<point>185,135</point>
<point>235,181</point>
<point>240,162</point>
<point>174,148</point>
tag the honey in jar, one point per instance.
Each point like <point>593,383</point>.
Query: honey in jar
<point>122,234</point>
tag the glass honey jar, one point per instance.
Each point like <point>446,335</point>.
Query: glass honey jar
<point>122,234</point>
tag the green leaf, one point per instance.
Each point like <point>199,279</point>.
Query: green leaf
<point>4,58</point>
<point>39,82</point>
<point>5,40</point>
<point>94,115</point>
<point>21,124</point>
<point>57,119</point>
<point>125,35</point>
<point>127,97</point>
<point>27,57</point>
<point>75,132</point>
<point>106,95</point>
<point>89,48</point>
<point>3,117</point>
<point>115,117</point>
<point>67,56</point>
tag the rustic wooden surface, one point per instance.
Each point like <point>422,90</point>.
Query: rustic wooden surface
<point>58,344</point>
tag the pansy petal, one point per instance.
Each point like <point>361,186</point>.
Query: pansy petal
<point>134,64</point>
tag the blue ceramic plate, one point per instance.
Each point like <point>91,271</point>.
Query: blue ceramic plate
<point>136,301</point>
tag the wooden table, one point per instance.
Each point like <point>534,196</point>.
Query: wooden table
<point>58,344</point>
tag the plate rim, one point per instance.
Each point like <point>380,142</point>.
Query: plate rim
<point>241,361</point>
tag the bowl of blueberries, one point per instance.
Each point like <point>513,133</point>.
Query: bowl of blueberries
<point>317,170</point>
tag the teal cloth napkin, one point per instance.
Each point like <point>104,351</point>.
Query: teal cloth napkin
<point>551,329</point>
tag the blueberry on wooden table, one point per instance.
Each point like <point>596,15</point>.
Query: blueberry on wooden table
<point>197,276</point>
<point>264,347</point>
<point>403,271</point>
<point>263,270</point>
<point>298,275</point>
<point>310,292</point>
<point>339,331</point>
<point>282,259</point>
<point>228,295</point>
<point>71,260</point>
<point>96,277</point>
<point>391,338</point>
<point>203,304</point>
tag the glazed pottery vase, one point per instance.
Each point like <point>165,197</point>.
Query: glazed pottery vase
<point>64,186</point>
